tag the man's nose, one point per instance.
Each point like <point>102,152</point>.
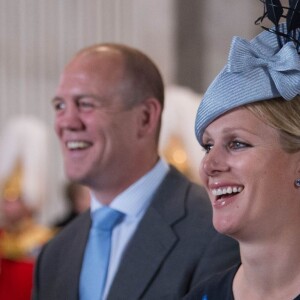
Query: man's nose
<point>70,119</point>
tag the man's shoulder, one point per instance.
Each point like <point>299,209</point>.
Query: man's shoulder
<point>181,201</point>
<point>78,226</point>
<point>179,188</point>
<point>178,180</point>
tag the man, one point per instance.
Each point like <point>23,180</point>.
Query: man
<point>108,114</point>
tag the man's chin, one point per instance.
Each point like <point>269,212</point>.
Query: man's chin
<point>74,177</point>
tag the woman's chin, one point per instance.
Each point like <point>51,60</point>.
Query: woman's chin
<point>224,226</point>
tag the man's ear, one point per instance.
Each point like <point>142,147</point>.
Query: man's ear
<point>149,117</point>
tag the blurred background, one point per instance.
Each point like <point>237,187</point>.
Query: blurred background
<point>188,39</point>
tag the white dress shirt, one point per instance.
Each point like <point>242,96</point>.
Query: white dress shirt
<point>133,202</point>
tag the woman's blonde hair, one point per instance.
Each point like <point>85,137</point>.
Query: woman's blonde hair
<point>283,115</point>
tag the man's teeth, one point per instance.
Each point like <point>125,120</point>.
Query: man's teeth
<point>77,145</point>
<point>226,190</point>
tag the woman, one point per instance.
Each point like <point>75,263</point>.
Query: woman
<point>249,125</point>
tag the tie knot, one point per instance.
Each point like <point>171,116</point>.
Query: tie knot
<point>106,218</point>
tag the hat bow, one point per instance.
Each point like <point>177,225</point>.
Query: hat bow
<point>283,66</point>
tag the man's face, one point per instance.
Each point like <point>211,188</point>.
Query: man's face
<point>96,131</point>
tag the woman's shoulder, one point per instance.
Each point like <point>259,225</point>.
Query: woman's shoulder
<point>217,287</point>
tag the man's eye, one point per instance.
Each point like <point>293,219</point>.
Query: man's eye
<point>86,105</point>
<point>235,145</point>
<point>58,105</point>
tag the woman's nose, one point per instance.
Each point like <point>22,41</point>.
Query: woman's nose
<point>214,162</point>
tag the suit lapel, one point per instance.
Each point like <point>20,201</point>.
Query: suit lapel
<point>144,255</point>
<point>72,259</point>
<point>152,241</point>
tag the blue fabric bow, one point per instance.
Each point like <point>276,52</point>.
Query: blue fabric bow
<point>283,67</point>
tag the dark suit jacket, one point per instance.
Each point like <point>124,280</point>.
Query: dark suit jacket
<point>173,248</point>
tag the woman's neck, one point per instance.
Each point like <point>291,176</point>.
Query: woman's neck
<point>270,269</point>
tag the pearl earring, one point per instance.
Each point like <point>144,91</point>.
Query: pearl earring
<point>297,182</point>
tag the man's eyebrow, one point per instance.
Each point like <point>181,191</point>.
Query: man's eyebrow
<point>79,96</point>
<point>94,96</point>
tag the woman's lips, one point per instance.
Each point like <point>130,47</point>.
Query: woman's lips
<point>225,195</point>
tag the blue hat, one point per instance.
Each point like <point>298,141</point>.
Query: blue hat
<point>256,70</point>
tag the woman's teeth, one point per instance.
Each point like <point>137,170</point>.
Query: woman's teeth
<point>227,190</point>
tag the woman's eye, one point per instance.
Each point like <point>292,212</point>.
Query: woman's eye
<point>207,147</point>
<point>235,145</point>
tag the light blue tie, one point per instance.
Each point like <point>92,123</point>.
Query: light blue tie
<point>96,258</point>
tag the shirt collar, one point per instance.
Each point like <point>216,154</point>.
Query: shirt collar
<point>136,198</point>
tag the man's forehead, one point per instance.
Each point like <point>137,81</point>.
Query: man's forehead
<point>90,75</point>
<point>96,63</point>
<point>96,55</point>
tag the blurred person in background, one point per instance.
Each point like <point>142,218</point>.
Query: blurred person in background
<point>23,167</point>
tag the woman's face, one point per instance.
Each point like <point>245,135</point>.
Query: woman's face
<point>249,178</point>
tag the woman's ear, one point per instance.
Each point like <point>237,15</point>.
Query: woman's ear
<point>297,176</point>
<point>149,117</point>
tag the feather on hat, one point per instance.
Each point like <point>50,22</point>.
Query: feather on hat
<point>23,161</point>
